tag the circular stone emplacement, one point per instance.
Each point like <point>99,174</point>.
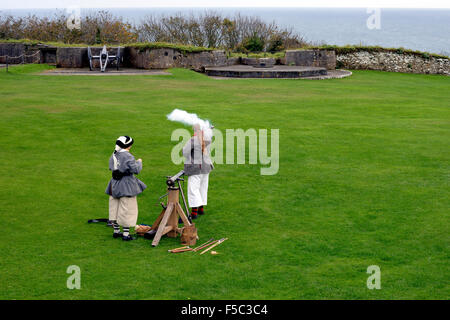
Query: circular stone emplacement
<point>247,71</point>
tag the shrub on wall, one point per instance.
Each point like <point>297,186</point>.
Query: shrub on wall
<point>276,44</point>
<point>254,43</point>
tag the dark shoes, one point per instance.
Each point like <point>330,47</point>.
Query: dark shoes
<point>128,238</point>
<point>124,238</point>
<point>194,216</point>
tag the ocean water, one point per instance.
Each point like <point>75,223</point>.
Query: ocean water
<point>417,29</point>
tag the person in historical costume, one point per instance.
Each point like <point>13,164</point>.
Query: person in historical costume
<point>123,188</point>
<point>197,167</point>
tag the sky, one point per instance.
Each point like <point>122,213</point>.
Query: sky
<point>31,4</point>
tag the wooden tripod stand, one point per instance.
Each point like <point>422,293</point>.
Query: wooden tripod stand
<point>167,221</point>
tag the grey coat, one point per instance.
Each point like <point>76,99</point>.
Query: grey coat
<point>196,162</point>
<point>128,186</point>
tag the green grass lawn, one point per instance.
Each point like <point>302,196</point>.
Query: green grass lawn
<point>363,180</point>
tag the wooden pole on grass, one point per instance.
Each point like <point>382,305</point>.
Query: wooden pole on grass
<point>214,245</point>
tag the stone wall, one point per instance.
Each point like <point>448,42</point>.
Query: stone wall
<point>311,58</point>
<point>48,55</point>
<point>76,57</point>
<point>17,49</point>
<point>393,62</point>
<point>12,49</point>
<point>259,62</point>
<point>72,57</point>
<point>164,58</point>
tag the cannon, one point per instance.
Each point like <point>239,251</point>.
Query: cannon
<point>104,58</point>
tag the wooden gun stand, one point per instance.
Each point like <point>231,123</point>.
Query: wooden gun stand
<point>167,221</point>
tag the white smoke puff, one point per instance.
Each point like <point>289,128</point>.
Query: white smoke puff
<point>207,134</point>
<point>191,119</point>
